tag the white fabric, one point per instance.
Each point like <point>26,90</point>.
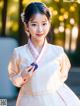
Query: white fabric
<point>46,87</point>
<point>35,53</point>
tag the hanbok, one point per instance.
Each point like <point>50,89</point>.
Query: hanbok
<point>47,86</point>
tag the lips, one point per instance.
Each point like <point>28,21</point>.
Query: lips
<point>39,34</point>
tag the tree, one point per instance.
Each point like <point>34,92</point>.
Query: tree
<point>4,15</point>
<point>78,41</point>
<point>22,37</point>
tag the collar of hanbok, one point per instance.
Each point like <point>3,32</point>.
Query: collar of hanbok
<point>35,52</point>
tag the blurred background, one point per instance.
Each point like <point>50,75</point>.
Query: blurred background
<point>65,31</point>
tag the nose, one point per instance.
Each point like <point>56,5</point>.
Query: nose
<point>39,29</point>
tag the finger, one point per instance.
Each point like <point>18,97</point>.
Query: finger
<point>31,72</point>
<point>33,69</point>
<point>28,68</point>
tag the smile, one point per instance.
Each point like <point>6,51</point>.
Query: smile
<point>39,34</point>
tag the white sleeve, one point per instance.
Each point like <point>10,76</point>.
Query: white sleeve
<point>65,66</point>
<point>13,70</point>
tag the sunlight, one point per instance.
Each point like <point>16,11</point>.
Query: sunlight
<point>61,28</point>
<point>56,0</point>
<point>1,4</point>
<point>65,15</point>
<point>12,9</point>
<point>28,1</point>
<point>74,38</point>
<point>72,8</point>
<point>77,1</point>
<point>55,12</point>
<point>67,38</point>
<point>72,21</point>
<point>9,24</point>
<point>61,18</point>
<point>16,1</point>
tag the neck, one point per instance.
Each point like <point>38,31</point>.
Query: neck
<point>38,43</point>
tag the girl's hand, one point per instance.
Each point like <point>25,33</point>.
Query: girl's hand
<point>27,74</point>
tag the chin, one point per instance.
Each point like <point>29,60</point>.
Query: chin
<point>40,38</point>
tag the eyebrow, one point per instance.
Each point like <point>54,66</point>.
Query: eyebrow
<point>36,21</point>
<point>32,21</point>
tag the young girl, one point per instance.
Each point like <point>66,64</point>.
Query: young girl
<point>40,68</point>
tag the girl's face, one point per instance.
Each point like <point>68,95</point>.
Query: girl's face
<point>38,26</point>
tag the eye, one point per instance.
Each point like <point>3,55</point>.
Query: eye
<point>33,24</point>
<point>44,24</point>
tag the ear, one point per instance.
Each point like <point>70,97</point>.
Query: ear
<point>26,29</point>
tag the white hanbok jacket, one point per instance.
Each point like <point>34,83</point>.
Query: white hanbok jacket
<point>46,87</point>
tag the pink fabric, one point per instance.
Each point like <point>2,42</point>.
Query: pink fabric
<point>34,51</point>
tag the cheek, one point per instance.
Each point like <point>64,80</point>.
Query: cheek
<point>47,28</point>
<point>32,30</point>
